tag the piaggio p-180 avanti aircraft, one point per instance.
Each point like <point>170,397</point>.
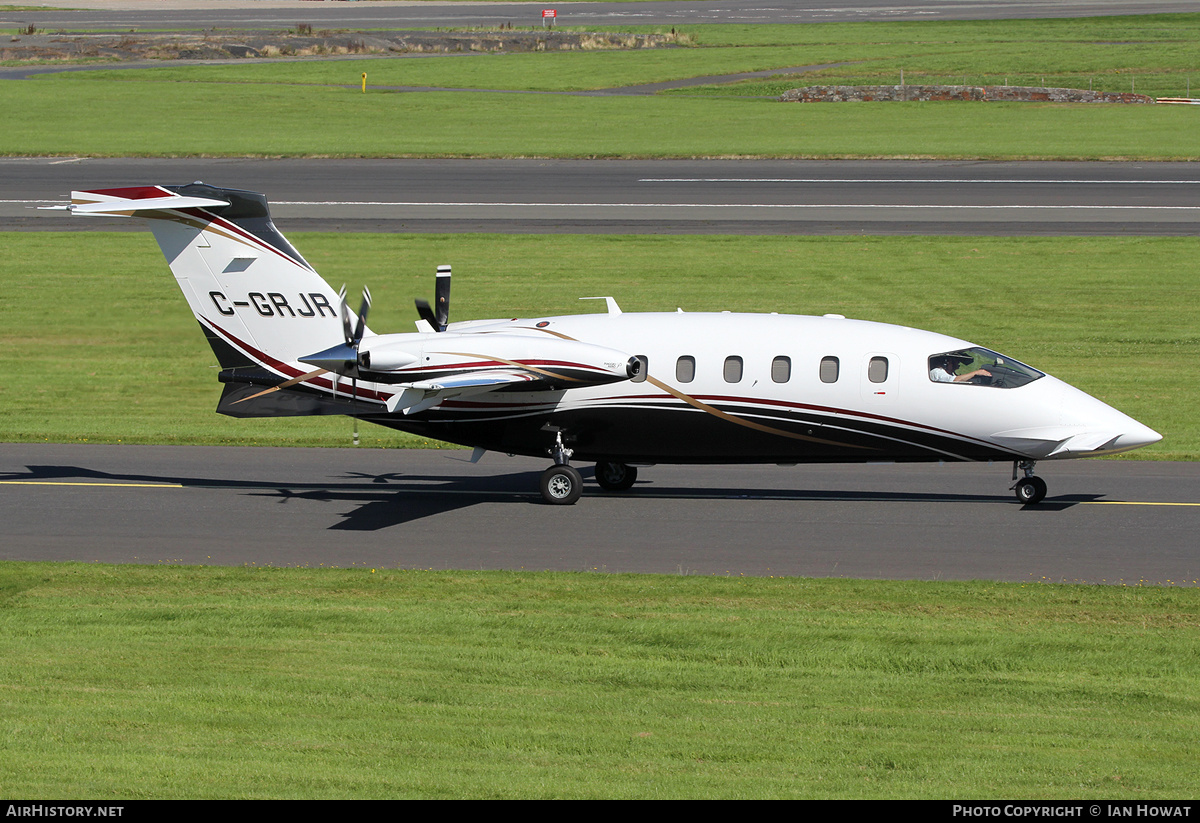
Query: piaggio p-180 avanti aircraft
<point>621,389</point>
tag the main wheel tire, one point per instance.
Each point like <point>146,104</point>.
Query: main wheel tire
<point>561,485</point>
<point>1030,490</point>
<point>615,477</point>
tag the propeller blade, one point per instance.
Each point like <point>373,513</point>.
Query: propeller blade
<point>442,298</point>
<point>426,312</point>
<point>344,311</point>
<point>362,317</point>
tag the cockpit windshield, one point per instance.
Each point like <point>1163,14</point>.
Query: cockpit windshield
<point>977,366</point>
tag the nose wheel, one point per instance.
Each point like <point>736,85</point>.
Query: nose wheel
<point>1030,489</point>
<point>561,483</point>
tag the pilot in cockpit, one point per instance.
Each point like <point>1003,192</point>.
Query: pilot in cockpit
<point>942,369</point>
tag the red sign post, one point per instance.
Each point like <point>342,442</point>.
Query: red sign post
<point>548,14</point>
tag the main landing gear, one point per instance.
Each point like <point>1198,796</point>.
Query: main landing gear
<point>1029,489</point>
<point>615,477</point>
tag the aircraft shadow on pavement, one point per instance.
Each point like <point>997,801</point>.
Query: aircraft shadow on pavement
<point>379,509</point>
<point>379,501</point>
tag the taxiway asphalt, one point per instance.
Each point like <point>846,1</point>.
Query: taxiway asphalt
<point>1104,521</point>
<point>649,196</point>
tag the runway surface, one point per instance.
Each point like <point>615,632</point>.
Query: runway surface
<point>275,14</point>
<point>1114,522</point>
<point>667,196</point>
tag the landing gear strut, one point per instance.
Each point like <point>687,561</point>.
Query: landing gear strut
<point>1029,489</point>
<point>561,483</point>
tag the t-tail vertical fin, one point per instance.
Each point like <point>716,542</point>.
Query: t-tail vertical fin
<point>260,303</point>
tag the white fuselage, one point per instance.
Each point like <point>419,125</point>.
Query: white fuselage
<point>730,387</point>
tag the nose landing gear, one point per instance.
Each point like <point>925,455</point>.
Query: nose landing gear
<point>1029,489</point>
<point>561,483</point>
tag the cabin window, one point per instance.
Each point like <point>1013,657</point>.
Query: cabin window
<point>978,366</point>
<point>733,369</point>
<point>781,369</point>
<point>685,369</point>
<point>829,369</point>
<point>644,372</point>
<point>877,370</point>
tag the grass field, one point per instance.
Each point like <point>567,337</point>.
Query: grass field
<point>314,107</point>
<point>106,350</point>
<point>1154,55</point>
<point>154,682</point>
<point>1157,49</point>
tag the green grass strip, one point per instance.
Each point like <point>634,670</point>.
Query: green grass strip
<point>80,117</point>
<point>157,682</point>
<point>99,345</point>
<point>315,107</point>
<point>1106,47</point>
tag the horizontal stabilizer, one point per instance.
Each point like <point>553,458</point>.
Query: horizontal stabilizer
<point>129,201</point>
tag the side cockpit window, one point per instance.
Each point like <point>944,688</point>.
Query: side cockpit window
<point>980,367</point>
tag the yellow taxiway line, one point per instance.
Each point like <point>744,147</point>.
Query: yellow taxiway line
<point>63,483</point>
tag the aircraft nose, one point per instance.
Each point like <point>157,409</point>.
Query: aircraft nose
<point>1136,435</point>
<point>1089,427</point>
